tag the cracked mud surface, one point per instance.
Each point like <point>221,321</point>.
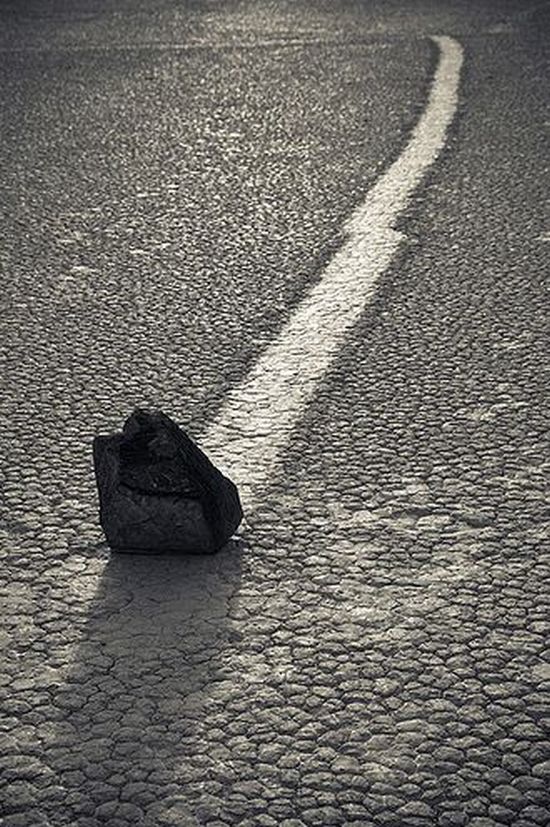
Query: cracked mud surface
<point>373,650</point>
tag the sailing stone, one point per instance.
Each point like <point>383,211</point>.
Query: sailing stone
<point>158,492</point>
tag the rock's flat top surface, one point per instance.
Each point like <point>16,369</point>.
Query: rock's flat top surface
<point>155,456</point>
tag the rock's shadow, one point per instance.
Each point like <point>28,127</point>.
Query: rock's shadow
<point>134,700</point>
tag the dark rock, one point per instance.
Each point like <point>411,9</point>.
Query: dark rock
<point>159,492</point>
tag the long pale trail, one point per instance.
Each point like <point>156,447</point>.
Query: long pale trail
<point>256,420</point>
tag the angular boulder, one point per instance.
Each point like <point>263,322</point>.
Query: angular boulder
<point>159,492</point>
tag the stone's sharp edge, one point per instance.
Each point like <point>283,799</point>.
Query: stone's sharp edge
<point>254,423</point>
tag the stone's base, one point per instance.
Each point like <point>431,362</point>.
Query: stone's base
<point>159,493</point>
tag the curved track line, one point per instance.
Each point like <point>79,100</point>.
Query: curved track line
<point>256,420</point>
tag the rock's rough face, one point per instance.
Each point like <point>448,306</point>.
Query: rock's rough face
<point>159,492</point>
